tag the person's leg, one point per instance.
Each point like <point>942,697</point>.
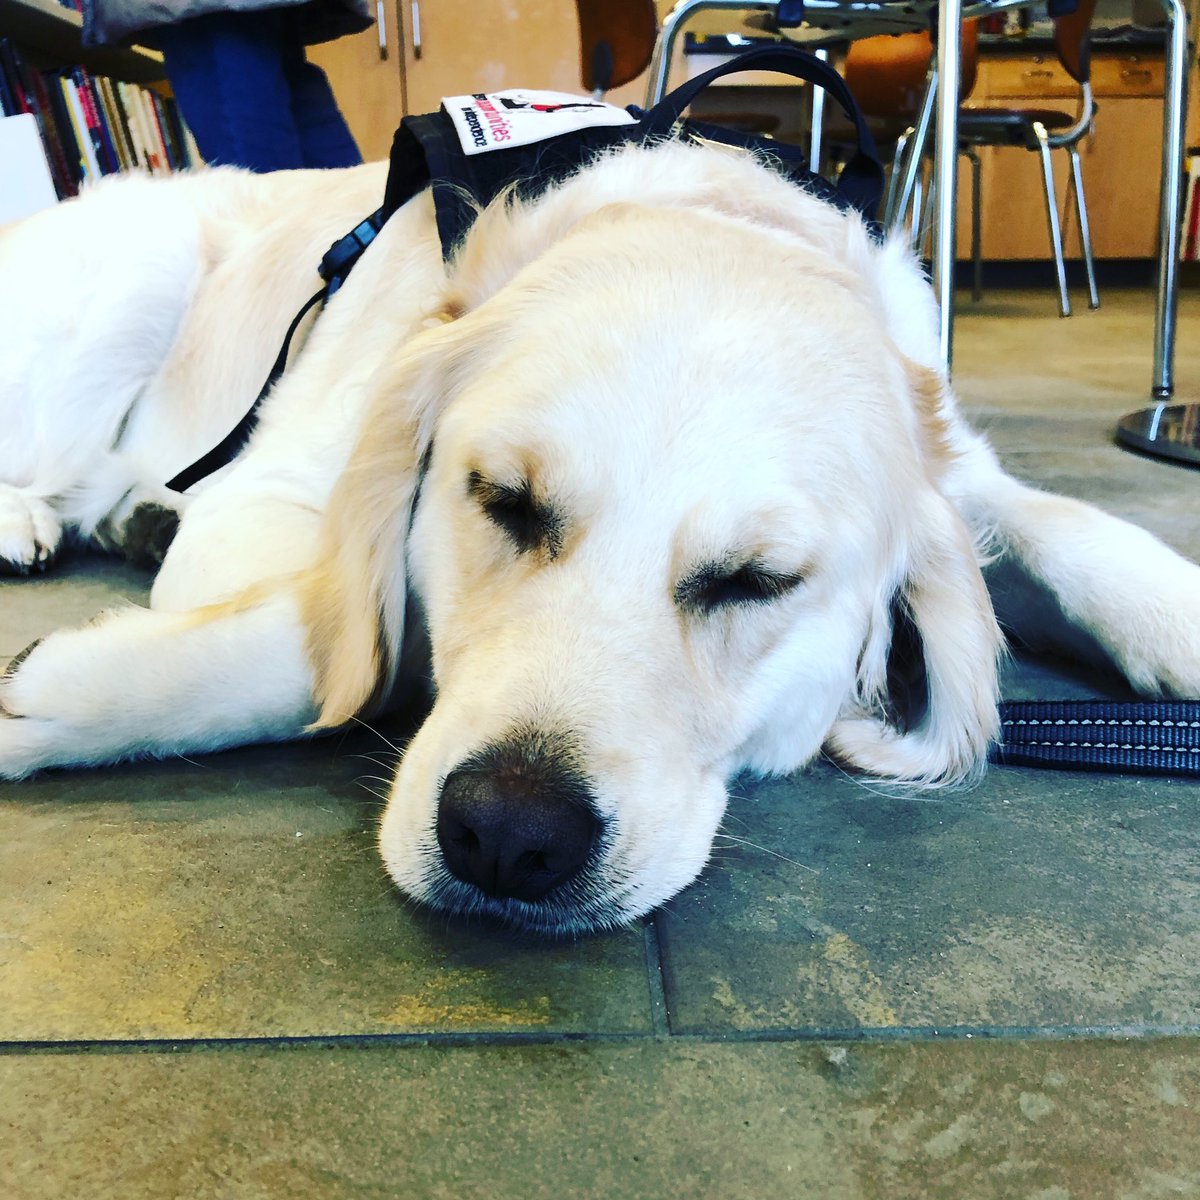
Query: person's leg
<point>325,138</point>
<point>227,72</point>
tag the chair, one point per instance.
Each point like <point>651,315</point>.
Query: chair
<point>1042,130</point>
<point>891,78</point>
<point>616,40</point>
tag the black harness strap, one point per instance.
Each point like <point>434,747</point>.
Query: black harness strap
<point>230,446</point>
<point>335,266</point>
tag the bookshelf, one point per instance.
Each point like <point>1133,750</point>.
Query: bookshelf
<point>52,32</point>
<point>94,111</point>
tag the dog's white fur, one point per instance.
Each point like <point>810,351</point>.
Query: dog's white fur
<point>693,364</point>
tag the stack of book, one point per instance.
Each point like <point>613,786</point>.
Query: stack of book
<point>1190,241</point>
<point>92,126</point>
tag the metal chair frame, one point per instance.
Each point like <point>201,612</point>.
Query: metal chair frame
<point>873,16</point>
<point>904,188</point>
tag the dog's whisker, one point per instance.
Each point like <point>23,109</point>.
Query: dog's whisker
<point>729,837</point>
<point>379,762</point>
<point>857,780</point>
<point>386,740</point>
<point>378,795</point>
<point>385,780</point>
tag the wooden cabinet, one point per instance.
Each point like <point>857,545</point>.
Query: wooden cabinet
<point>439,48</point>
<point>364,71</point>
<point>454,48</point>
<point>1121,158</point>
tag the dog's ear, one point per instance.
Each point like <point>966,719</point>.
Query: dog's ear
<point>925,710</point>
<point>353,599</point>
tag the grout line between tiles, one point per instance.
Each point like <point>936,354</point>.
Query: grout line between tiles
<point>660,1012</point>
<point>899,1035</point>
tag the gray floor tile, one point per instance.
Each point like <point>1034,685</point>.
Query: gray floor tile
<point>1032,900</point>
<point>998,1121</point>
<point>241,895</point>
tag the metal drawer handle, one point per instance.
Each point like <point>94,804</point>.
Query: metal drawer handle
<point>1135,73</point>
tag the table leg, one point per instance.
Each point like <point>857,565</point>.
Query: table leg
<point>1168,430</point>
<point>945,169</point>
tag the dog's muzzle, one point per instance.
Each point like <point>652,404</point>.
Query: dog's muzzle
<point>518,820</point>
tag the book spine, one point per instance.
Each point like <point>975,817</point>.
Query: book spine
<point>109,143</point>
<point>129,120</point>
<point>112,118</point>
<point>156,128</point>
<point>90,114</point>
<point>178,133</point>
<point>149,132</point>
<point>137,119</point>
<point>165,131</point>
<point>91,168</point>
<point>34,88</point>
<point>12,99</point>
<point>57,106</point>
<point>1192,226</point>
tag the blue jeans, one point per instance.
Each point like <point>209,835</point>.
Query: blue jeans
<point>250,96</point>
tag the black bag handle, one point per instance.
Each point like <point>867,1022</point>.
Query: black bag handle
<point>861,181</point>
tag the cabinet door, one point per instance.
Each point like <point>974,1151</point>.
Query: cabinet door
<point>1122,169</point>
<point>366,81</point>
<point>1013,205</point>
<point>1121,160</point>
<point>455,47</point>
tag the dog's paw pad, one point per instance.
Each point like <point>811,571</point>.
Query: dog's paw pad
<point>149,532</point>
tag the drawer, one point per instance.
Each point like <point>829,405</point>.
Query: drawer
<point>1128,75</point>
<point>1036,76</point>
<point>1042,77</point>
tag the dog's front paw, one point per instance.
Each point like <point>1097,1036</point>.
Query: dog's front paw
<point>30,532</point>
<point>1155,637</point>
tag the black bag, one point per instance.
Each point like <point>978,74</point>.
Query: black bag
<point>427,151</point>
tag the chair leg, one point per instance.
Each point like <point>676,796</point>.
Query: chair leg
<point>890,217</point>
<point>976,233</point>
<point>909,179</point>
<point>1085,232</point>
<point>925,228</point>
<point>1064,303</point>
<point>914,220</point>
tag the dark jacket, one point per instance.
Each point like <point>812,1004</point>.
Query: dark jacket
<point>106,22</point>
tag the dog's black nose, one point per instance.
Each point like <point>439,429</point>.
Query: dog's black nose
<point>516,823</point>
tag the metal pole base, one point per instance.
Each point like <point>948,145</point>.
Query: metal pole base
<point>1165,431</point>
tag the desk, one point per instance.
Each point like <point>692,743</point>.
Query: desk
<point>839,20</point>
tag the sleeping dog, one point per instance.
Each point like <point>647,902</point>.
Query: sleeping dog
<point>663,463</point>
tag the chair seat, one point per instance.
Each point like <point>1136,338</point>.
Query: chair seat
<point>1009,126</point>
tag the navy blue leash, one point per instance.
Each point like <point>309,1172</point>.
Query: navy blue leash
<point>1138,737</point>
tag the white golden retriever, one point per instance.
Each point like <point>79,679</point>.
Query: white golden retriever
<point>664,461</point>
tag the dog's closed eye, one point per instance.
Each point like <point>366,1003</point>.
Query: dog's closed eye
<point>528,523</point>
<point>714,586</point>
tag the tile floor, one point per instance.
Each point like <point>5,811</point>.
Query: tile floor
<point>207,988</point>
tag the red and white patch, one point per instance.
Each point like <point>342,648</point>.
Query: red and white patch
<point>519,117</point>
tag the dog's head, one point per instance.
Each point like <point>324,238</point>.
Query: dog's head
<point>679,515</point>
